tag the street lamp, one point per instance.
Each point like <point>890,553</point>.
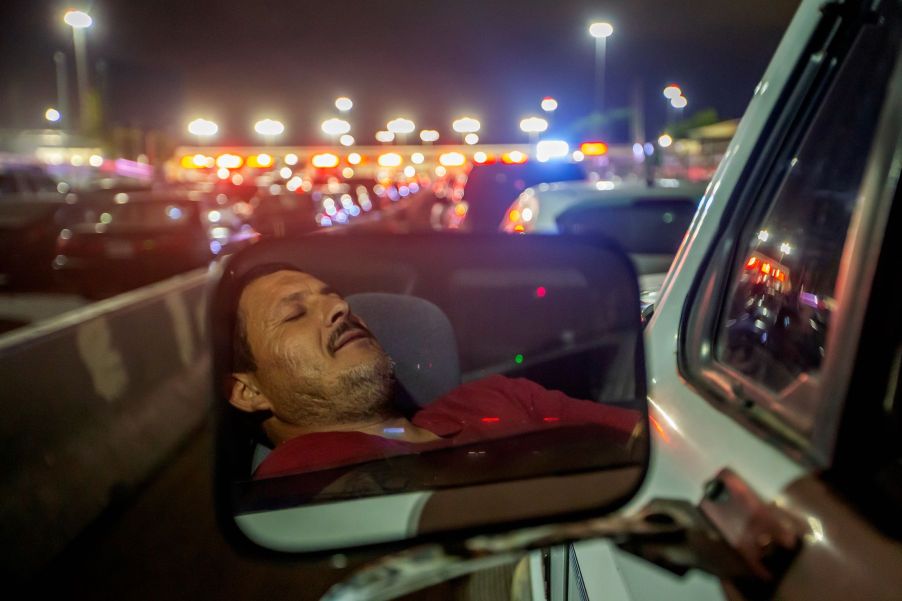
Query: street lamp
<point>429,136</point>
<point>549,104</point>
<point>401,126</point>
<point>471,139</point>
<point>601,31</point>
<point>466,125</point>
<point>664,140</point>
<point>202,128</point>
<point>343,104</point>
<point>384,136</point>
<point>335,127</point>
<point>672,91</point>
<point>679,102</point>
<point>269,129</point>
<point>533,126</point>
<point>79,21</point>
<point>52,115</point>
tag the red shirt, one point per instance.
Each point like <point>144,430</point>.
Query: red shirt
<point>493,407</point>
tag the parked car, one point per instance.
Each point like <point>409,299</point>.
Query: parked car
<point>773,467</point>
<point>112,244</point>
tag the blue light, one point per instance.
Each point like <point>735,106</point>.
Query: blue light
<point>215,247</point>
<point>395,431</point>
<point>173,212</point>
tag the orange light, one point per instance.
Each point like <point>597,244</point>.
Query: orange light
<point>325,160</point>
<point>513,158</point>
<point>261,160</point>
<point>660,430</point>
<point>781,276</point>
<point>483,158</point>
<point>519,228</point>
<point>593,149</point>
<point>452,159</point>
<point>751,262</point>
<point>460,209</point>
<point>229,161</point>
<point>187,162</point>
<point>514,215</point>
<point>390,159</point>
<point>765,268</point>
<point>355,158</point>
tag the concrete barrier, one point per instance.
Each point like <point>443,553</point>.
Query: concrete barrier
<point>93,401</point>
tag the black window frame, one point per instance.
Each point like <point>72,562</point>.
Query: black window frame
<point>807,436</point>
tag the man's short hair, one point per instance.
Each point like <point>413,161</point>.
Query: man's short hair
<point>242,355</point>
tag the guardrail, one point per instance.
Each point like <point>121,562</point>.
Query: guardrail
<point>95,400</point>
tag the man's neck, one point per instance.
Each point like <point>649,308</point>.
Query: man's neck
<point>394,428</point>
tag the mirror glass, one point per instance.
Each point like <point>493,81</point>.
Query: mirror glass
<point>375,388</point>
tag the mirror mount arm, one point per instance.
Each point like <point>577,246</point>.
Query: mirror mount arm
<point>731,534</point>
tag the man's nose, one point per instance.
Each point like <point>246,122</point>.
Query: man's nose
<point>336,309</point>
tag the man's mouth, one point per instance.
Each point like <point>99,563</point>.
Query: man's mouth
<point>347,336</point>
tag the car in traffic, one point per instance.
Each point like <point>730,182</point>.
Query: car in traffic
<point>116,243</point>
<point>648,222</point>
<point>772,468</point>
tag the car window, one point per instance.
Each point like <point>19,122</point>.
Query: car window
<point>783,300</point>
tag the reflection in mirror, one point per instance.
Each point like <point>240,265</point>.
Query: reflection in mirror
<point>498,384</point>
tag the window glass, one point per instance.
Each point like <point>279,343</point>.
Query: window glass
<point>783,299</point>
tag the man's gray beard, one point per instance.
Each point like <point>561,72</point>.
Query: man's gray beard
<point>360,393</point>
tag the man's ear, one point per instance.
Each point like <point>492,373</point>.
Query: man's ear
<point>246,394</point>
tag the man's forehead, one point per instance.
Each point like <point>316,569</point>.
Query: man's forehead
<point>271,288</point>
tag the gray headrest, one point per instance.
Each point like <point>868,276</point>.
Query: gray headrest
<point>419,337</point>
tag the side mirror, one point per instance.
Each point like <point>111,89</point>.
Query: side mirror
<point>518,391</point>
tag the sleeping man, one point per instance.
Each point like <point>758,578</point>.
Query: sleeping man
<point>323,386</point>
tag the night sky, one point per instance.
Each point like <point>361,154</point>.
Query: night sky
<point>241,60</point>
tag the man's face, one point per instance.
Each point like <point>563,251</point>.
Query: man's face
<point>317,364</point>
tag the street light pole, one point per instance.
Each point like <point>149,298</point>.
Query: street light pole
<point>62,89</point>
<point>79,21</point>
<point>601,31</point>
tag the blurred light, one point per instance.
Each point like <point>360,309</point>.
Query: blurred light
<point>346,140</point>
<point>105,218</point>
<point>400,125</point>
<point>549,104</point>
<point>403,190</point>
<point>389,159</point>
<point>347,173</point>
<point>95,160</point>
<point>526,214</point>
<point>354,210</point>
<point>417,158</point>
<point>460,209</point>
<point>291,159</point>
<point>275,189</point>
<point>293,184</point>
<point>551,149</point>
<point>578,156</point>
<point>440,171</point>
<point>638,151</point>
<point>518,358</point>
<point>533,125</point>
<point>601,29</point>
<point>678,102</point>
<point>384,136</point>
<point>237,179</point>
<point>593,149</point>
<point>63,187</point>
<point>764,235</point>
<point>335,127</point>
<point>664,140</point>
<point>492,420</point>
<point>672,91</point>
<point>354,158</point>
<point>229,161</point>
<point>78,19</point>
<point>541,292</point>
<point>325,160</point>
<point>785,248</point>
<point>269,127</point>
<point>77,160</point>
<point>120,198</point>
<point>220,232</point>
<point>285,172</point>
<point>514,215</point>
<point>514,158</point>
<point>306,185</point>
<point>201,160</point>
<point>452,159</point>
<point>466,125</point>
<point>429,135</point>
<point>471,139</point>
<point>410,171</point>
<point>214,216</point>
<point>604,185</point>
<point>751,262</point>
<point>262,160</point>
<point>222,173</point>
<point>343,103</point>
<point>202,127</point>
<point>480,157</point>
<point>52,115</point>
<point>649,148</point>
<point>173,212</point>
<point>215,246</point>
